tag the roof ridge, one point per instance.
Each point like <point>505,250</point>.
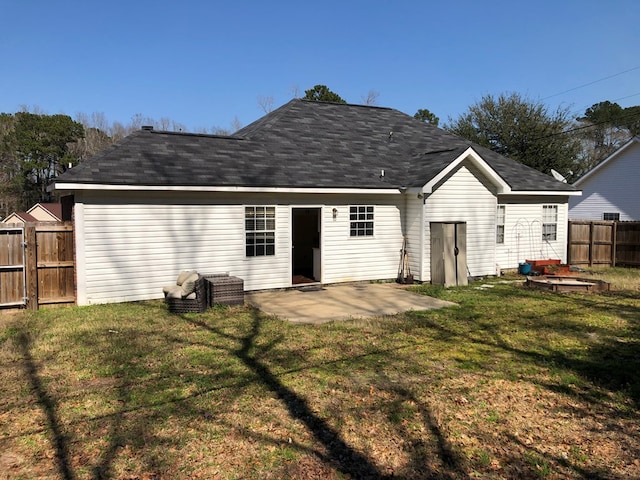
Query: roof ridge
<point>346,104</point>
<point>192,134</point>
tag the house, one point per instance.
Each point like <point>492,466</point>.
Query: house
<point>310,192</point>
<point>46,212</point>
<point>40,212</point>
<point>610,189</point>
<point>19,218</point>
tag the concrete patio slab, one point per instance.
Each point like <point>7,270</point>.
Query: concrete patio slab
<point>341,302</point>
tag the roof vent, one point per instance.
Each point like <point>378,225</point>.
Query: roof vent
<point>146,127</point>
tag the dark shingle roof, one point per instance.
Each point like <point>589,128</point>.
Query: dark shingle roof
<point>301,144</point>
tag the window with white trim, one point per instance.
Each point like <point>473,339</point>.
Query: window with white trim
<point>361,220</point>
<point>260,231</point>
<point>500,216</point>
<point>611,216</point>
<point>549,222</point>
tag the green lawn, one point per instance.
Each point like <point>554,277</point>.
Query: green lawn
<point>511,383</point>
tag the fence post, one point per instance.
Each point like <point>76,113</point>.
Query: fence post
<point>614,237</point>
<point>31,267</point>
<point>591,229</point>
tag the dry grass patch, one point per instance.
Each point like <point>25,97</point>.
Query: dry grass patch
<point>512,383</point>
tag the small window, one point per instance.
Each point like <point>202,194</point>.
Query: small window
<point>549,222</point>
<point>361,220</point>
<point>500,215</point>
<point>260,231</point>
<point>611,216</point>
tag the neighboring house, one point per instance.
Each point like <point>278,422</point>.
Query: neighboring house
<point>46,212</point>
<point>610,190</point>
<point>19,218</point>
<point>311,191</point>
<point>40,212</point>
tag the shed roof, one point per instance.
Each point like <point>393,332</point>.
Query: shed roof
<point>302,144</point>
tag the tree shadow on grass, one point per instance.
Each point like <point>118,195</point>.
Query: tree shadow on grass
<point>47,403</point>
<point>341,455</point>
<point>597,351</point>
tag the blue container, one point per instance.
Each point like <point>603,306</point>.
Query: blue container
<point>524,268</point>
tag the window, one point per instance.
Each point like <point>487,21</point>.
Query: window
<point>361,220</point>
<point>260,231</point>
<point>500,213</point>
<point>611,216</point>
<point>549,222</point>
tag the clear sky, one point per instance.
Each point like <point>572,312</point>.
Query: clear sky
<point>204,63</point>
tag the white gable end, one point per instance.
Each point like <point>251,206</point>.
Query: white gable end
<point>610,188</point>
<point>465,197</point>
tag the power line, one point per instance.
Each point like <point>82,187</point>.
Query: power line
<point>581,111</point>
<point>591,83</point>
<point>584,127</point>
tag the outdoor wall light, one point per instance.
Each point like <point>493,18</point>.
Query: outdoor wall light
<point>420,196</point>
<point>335,212</point>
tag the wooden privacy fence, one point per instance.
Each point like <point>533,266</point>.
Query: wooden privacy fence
<point>604,243</point>
<point>37,264</point>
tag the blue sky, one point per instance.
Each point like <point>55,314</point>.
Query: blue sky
<point>204,63</point>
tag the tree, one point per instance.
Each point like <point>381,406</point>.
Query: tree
<point>522,130</point>
<point>265,103</point>
<point>604,128</point>
<point>320,93</point>
<point>9,197</point>
<point>371,98</point>
<point>35,150</point>
<point>602,132</point>
<point>425,115</point>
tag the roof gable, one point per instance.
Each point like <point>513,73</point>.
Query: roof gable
<point>470,155</point>
<point>46,211</point>
<point>302,144</point>
<point>611,159</point>
<point>20,217</point>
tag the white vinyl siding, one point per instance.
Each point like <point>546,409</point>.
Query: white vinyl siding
<point>465,197</point>
<point>612,188</point>
<point>346,258</point>
<point>130,245</point>
<point>132,249</point>
<point>415,233</point>
<point>523,231</point>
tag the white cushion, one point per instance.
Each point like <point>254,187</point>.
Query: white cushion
<point>174,291</point>
<point>189,284</point>
<point>184,275</point>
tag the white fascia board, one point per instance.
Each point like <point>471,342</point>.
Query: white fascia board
<point>162,188</point>
<point>606,161</point>
<point>469,153</point>
<point>557,193</point>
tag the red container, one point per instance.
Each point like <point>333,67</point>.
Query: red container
<point>543,263</point>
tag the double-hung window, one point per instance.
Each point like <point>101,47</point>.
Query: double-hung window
<point>500,216</point>
<point>361,220</point>
<point>260,231</point>
<point>549,222</point>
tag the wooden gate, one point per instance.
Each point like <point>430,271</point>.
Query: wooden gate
<point>591,243</point>
<point>37,264</point>
<point>13,281</point>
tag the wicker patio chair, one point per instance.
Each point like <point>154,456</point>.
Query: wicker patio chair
<point>190,305</point>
